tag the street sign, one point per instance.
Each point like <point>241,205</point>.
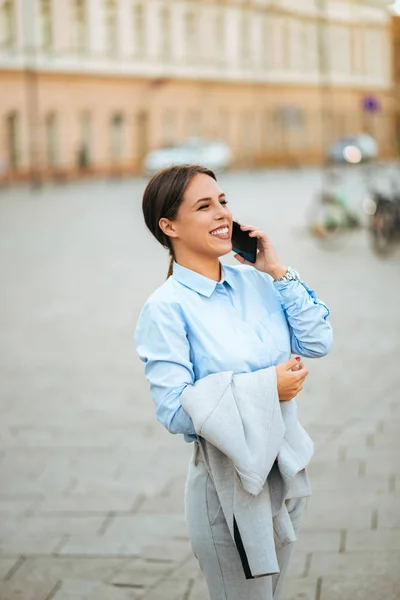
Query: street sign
<point>370,104</point>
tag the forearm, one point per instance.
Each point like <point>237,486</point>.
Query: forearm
<point>307,316</point>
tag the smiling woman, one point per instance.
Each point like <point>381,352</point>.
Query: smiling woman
<point>214,338</point>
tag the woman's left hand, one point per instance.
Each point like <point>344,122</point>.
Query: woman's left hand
<point>267,258</point>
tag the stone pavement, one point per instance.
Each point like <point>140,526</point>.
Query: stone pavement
<point>91,486</point>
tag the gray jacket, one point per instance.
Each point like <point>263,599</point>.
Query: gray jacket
<point>256,452</point>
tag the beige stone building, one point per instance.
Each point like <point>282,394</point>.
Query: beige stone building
<point>89,86</point>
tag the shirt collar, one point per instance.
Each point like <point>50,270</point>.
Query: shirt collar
<point>200,284</point>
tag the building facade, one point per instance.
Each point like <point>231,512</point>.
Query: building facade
<point>90,86</point>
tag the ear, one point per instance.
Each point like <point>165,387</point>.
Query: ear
<point>167,227</point>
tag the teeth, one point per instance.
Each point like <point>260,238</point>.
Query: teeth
<point>220,231</point>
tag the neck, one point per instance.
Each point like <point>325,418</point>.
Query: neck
<point>208,267</point>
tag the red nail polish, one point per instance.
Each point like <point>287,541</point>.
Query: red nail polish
<point>297,358</point>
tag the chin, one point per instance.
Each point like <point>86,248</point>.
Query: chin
<point>224,252</point>
<point>223,248</point>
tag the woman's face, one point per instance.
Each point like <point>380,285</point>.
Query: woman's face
<point>204,222</point>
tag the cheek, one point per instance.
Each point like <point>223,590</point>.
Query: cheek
<point>194,228</point>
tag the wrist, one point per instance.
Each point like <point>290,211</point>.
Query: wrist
<point>278,272</point>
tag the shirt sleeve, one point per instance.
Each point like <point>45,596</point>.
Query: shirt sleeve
<point>307,316</point>
<point>162,344</point>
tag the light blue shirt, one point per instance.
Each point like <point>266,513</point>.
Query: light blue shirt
<point>192,326</point>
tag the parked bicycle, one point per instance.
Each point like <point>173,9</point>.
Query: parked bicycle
<point>383,208</point>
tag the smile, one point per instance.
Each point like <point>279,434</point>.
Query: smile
<point>222,233</point>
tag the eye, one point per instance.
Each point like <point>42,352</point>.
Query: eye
<point>203,206</point>
<point>224,202</point>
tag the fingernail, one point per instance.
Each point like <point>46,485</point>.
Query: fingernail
<point>297,358</point>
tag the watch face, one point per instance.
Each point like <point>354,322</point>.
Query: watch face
<point>292,274</point>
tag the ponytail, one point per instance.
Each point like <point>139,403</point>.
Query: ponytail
<point>171,261</point>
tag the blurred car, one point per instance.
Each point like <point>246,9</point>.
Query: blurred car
<point>214,154</point>
<point>353,149</point>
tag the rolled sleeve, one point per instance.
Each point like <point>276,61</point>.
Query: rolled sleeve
<point>307,316</point>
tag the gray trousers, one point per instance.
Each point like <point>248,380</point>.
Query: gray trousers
<point>214,548</point>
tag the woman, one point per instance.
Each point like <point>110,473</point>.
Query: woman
<point>208,319</point>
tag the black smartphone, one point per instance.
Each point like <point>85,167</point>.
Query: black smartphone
<point>243,244</point>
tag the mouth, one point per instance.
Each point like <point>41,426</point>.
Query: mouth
<point>221,233</point>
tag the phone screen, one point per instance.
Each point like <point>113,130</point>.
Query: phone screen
<point>243,244</point>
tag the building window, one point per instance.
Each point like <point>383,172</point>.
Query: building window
<point>194,123</point>
<point>191,39</point>
<point>266,42</point>
<point>374,52</point>
<point>111,27</point>
<point>139,38</point>
<point>51,138</point>
<point>12,136</point>
<point>46,25</point>
<point>224,124</point>
<point>165,33</point>
<point>245,37</point>
<point>169,127</point>
<point>79,26</point>
<point>7,24</point>
<point>220,35</point>
<point>279,41</point>
<point>85,148</point>
<point>117,141</point>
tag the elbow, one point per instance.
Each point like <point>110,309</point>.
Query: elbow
<point>173,427</point>
<point>318,347</point>
<point>173,422</point>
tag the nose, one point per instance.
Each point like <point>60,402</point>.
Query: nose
<point>220,212</point>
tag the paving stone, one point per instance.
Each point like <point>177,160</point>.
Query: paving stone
<point>199,591</point>
<point>169,589</point>
<point>189,570</point>
<point>20,543</point>
<point>320,517</point>
<point>42,569</point>
<point>36,526</point>
<point>389,515</point>
<point>318,541</point>
<point>174,549</point>
<point>142,574</point>
<point>14,505</point>
<point>5,565</point>
<point>380,539</point>
<point>361,587</point>
<point>96,503</point>
<point>320,467</point>
<point>300,589</point>
<point>298,563</point>
<point>341,484</point>
<point>383,563</point>
<point>12,591</point>
<point>93,590</point>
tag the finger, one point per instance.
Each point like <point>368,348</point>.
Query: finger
<point>257,233</point>
<point>246,227</point>
<point>301,374</point>
<point>242,260</point>
<point>289,364</point>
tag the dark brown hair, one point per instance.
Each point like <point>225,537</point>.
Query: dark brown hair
<point>163,196</point>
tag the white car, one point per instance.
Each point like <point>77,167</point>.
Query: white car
<point>353,149</point>
<point>214,154</point>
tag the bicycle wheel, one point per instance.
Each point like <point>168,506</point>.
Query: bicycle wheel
<point>383,229</point>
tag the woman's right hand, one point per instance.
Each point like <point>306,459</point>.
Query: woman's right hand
<point>290,377</point>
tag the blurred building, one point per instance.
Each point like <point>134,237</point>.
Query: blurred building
<point>396,74</point>
<point>89,86</point>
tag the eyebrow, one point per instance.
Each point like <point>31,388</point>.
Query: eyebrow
<point>223,195</point>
